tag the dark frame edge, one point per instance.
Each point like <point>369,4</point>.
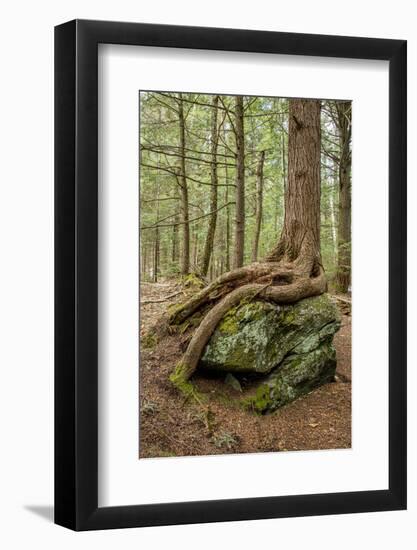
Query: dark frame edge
<point>76,483</point>
<point>119,517</point>
<point>65,258</point>
<point>398,273</point>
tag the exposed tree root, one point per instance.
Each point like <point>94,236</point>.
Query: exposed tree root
<point>224,284</point>
<point>269,281</point>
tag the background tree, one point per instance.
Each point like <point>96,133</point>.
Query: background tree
<point>337,158</point>
<point>344,119</point>
<point>208,247</point>
<point>240,183</point>
<point>259,205</point>
<point>185,255</point>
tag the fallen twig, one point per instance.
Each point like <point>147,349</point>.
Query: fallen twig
<point>159,300</point>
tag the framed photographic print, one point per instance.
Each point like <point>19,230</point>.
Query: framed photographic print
<point>230,252</point>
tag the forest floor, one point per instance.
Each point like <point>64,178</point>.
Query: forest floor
<point>171,426</point>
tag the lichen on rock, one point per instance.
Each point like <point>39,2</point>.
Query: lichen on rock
<point>297,375</point>
<point>256,336</point>
<point>290,344</point>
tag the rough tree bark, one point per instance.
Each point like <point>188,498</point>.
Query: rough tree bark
<point>208,247</point>
<point>259,204</point>
<point>185,249</point>
<point>344,114</point>
<point>292,271</point>
<point>300,238</point>
<point>240,184</point>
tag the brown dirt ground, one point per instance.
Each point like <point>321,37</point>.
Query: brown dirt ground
<point>171,426</point>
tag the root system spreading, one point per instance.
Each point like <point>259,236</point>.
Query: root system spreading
<point>274,281</point>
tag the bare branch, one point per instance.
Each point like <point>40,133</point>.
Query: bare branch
<point>171,171</point>
<point>166,146</point>
<point>164,103</point>
<point>165,299</point>
<point>148,148</point>
<point>158,224</point>
<point>267,114</point>
<point>193,102</point>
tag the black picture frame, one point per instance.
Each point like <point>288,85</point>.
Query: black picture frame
<point>76,272</point>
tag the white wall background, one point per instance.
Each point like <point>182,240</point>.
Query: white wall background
<point>26,272</point>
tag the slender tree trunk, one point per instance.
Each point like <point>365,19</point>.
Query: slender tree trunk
<point>185,252</point>
<point>240,184</point>
<point>281,185</point>
<point>156,256</point>
<point>174,250</point>
<point>195,249</point>
<point>150,260</point>
<point>156,245</point>
<point>143,259</point>
<point>333,213</point>
<point>259,205</point>
<point>208,247</point>
<point>344,230</point>
<point>227,259</point>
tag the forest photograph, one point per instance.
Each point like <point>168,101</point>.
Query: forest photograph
<point>245,274</point>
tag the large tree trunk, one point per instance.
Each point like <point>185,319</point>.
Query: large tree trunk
<point>185,251</point>
<point>240,184</point>
<point>344,231</point>
<point>300,237</point>
<point>293,270</point>
<point>259,204</point>
<point>208,247</point>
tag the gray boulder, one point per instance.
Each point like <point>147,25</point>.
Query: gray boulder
<point>290,344</point>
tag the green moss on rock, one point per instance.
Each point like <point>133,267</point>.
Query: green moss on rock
<point>256,336</point>
<point>297,375</point>
<point>291,345</point>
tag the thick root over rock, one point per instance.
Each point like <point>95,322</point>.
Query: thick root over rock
<point>268,281</point>
<point>218,288</point>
